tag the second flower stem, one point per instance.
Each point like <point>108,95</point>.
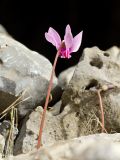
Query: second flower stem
<point>47,101</point>
<point>102,111</point>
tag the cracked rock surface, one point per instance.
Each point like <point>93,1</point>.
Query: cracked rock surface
<point>80,104</point>
<point>68,125</point>
<point>22,72</point>
<point>92,147</point>
<point>96,69</point>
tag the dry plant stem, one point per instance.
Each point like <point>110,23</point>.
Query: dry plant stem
<point>101,108</point>
<point>46,102</point>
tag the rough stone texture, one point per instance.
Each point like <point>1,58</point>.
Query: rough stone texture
<point>3,30</point>
<point>81,112</point>
<point>57,128</point>
<point>2,144</point>
<point>55,110</point>
<point>95,69</point>
<point>4,128</point>
<point>27,139</point>
<point>56,94</point>
<point>22,70</point>
<point>93,147</point>
<point>65,76</point>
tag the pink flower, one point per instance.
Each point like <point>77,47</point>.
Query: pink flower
<point>66,46</point>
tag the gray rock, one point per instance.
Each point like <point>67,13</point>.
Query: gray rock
<point>3,30</point>
<point>2,145</point>
<point>56,129</point>
<point>65,76</point>
<point>22,72</point>
<point>99,146</point>
<point>55,110</point>
<point>4,128</point>
<point>96,69</point>
<point>27,139</point>
<point>55,96</point>
<point>81,111</point>
<point>113,50</point>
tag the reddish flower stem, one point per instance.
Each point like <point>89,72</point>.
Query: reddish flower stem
<point>46,102</point>
<point>102,111</point>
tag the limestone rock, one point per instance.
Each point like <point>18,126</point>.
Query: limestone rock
<point>55,96</point>
<point>55,110</point>
<point>99,146</point>
<point>4,128</point>
<point>81,111</point>
<point>2,145</point>
<point>65,76</point>
<point>27,140</point>
<point>96,69</point>
<point>22,72</point>
<point>57,128</point>
<point>3,30</point>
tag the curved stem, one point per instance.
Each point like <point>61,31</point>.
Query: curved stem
<point>102,111</point>
<point>46,102</point>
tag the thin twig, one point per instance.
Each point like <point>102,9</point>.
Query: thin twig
<point>6,111</point>
<point>14,103</point>
<point>46,102</point>
<point>10,140</point>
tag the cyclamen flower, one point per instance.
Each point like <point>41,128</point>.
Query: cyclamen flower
<point>64,49</point>
<point>66,46</point>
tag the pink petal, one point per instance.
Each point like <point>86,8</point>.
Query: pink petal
<point>55,36</point>
<point>50,39</point>
<point>68,38</point>
<point>77,42</point>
